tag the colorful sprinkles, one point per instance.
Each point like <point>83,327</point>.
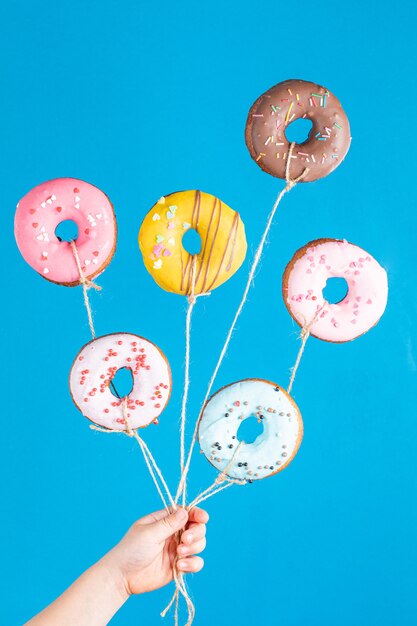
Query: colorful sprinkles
<point>92,377</point>
<point>271,407</point>
<point>299,100</point>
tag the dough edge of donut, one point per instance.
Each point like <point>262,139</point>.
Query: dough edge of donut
<point>121,430</point>
<point>285,277</point>
<point>250,122</point>
<point>163,284</point>
<point>109,258</point>
<point>297,412</point>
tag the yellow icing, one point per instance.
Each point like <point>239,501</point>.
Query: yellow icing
<point>223,242</point>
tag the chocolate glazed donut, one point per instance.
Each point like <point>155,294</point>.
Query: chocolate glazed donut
<point>326,145</point>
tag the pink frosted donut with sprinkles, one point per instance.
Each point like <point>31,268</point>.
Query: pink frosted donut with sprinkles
<point>306,276</point>
<point>269,117</point>
<point>96,365</point>
<point>40,212</point>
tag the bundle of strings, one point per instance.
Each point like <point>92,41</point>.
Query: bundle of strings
<point>153,468</point>
<point>170,505</point>
<point>223,481</point>
<point>290,183</point>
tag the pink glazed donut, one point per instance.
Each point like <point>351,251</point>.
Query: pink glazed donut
<point>47,205</point>
<point>95,367</point>
<point>305,278</point>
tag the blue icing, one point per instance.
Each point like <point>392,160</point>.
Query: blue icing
<point>272,450</point>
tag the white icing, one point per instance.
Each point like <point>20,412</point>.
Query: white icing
<point>364,303</point>
<point>272,450</point>
<point>95,367</point>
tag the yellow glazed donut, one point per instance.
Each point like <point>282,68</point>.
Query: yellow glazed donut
<point>223,242</point>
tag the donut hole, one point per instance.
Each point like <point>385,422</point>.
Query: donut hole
<point>250,429</point>
<point>67,230</point>
<point>191,241</point>
<point>298,130</point>
<point>336,290</point>
<point>122,383</point>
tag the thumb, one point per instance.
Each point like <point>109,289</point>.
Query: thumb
<point>170,524</point>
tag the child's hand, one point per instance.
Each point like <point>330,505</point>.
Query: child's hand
<point>144,558</point>
<point>141,561</point>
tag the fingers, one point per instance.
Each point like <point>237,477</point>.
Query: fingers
<point>194,548</point>
<point>198,515</point>
<point>193,540</point>
<point>195,515</point>
<point>193,533</point>
<point>192,564</point>
<point>170,524</point>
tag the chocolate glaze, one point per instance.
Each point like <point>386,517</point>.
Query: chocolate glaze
<point>327,142</point>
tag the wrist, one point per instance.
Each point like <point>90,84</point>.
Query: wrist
<point>113,578</point>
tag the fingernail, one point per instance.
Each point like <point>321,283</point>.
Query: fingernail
<point>182,549</point>
<point>182,564</point>
<point>189,538</point>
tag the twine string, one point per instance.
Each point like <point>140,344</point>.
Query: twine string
<point>180,587</point>
<point>156,468</point>
<point>149,459</point>
<point>218,485</point>
<point>150,462</point>
<point>222,481</point>
<point>304,335</point>
<point>155,471</point>
<point>86,284</point>
<point>197,501</point>
<point>290,183</point>
<point>153,468</point>
<point>192,299</point>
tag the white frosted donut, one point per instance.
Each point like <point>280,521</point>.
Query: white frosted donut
<point>272,450</point>
<point>95,367</point>
<point>305,278</point>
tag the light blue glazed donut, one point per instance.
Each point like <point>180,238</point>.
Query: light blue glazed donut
<point>272,450</point>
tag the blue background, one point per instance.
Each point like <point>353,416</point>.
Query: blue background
<point>143,99</point>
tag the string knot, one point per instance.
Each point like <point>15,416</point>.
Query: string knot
<point>291,182</point>
<point>305,332</point>
<point>128,430</point>
<point>192,298</point>
<point>90,284</point>
<point>84,281</point>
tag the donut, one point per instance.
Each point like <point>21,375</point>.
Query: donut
<point>328,140</point>
<point>272,450</point>
<point>94,368</point>
<point>41,210</point>
<point>223,242</point>
<point>305,278</point>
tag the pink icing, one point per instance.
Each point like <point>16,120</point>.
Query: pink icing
<point>362,306</point>
<point>95,367</point>
<point>47,205</point>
